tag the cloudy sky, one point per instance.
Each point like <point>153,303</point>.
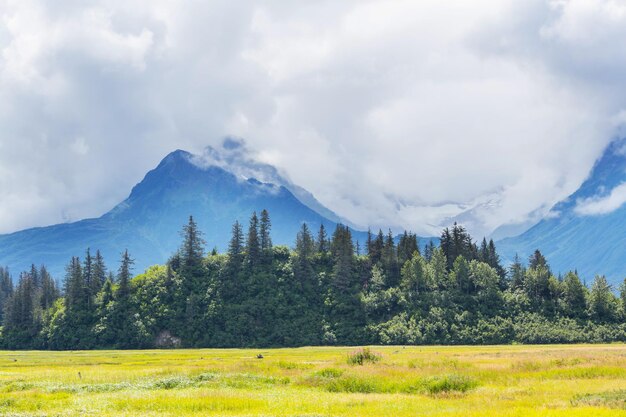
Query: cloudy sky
<point>399,113</point>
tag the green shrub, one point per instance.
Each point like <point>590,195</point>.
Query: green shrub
<point>329,373</point>
<point>449,383</point>
<point>362,356</point>
<point>352,384</point>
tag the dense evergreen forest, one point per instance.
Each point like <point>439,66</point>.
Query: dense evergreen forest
<point>326,290</point>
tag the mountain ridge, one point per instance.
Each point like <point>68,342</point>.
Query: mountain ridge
<point>570,239</point>
<point>149,220</point>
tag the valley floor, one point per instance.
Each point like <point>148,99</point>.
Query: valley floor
<point>565,380</point>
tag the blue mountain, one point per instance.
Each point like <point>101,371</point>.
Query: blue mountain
<point>212,187</point>
<point>582,232</point>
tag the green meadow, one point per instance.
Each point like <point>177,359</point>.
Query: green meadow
<point>564,380</point>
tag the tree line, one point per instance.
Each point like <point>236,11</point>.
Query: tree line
<point>322,291</point>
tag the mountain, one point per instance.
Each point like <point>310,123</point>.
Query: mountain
<point>217,188</point>
<point>586,231</point>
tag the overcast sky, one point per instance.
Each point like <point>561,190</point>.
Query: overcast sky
<point>399,113</point>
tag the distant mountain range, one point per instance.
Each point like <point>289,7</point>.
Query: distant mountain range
<point>217,188</point>
<point>587,231</point>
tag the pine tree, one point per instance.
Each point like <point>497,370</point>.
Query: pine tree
<point>88,275</point>
<point>602,302</point>
<point>428,250</point>
<point>99,273</point>
<point>22,322</point>
<point>414,280</point>
<point>49,290</point>
<point>537,260</point>
<point>192,250</point>
<point>483,252</point>
<point>75,288</point>
<point>574,296</point>
<point>322,240</point>
<point>390,261</point>
<point>517,272</point>
<point>305,245</point>
<point>123,278</point>
<point>6,290</point>
<point>235,247</point>
<point>345,315</point>
<point>622,296</point>
<point>34,275</point>
<point>407,246</point>
<point>343,254</point>
<point>457,242</point>
<point>253,246</point>
<point>265,227</point>
<point>191,253</point>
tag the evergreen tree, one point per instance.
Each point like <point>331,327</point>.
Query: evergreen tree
<point>6,290</point>
<point>123,278</point>
<point>323,245</point>
<point>574,296</point>
<point>390,261</point>
<point>457,242</point>
<point>603,305</point>
<point>123,325</point>
<point>517,272</point>
<point>460,275</point>
<point>345,315</point>
<point>622,296</point>
<point>76,294</point>
<point>537,260</point>
<point>34,275</point>
<point>438,270</point>
<point>265,227</point>
<point>407,246</point>
<point>235,247</point>
<point>305,295</point>
<point>483,252</point>
<point>415,278</point>
<point>253,246</point>
<point>192,250</point>
<point>428,250</point>
<point>375,251</point>
<point>22,323</point>
<point>49,290</point>
<point>99,275</point>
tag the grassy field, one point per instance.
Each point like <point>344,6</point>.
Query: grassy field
<point>412,381</point>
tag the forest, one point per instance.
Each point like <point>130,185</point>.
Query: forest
<point>325,290</point>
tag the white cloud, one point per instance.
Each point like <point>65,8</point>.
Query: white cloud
<point>395,113</point>
<point>606,204</point>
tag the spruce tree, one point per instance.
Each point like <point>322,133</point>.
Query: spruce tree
<point>253,246</point>
<point>537,260</point>
<point>99,273</point>
<point>49,290</point>
<point>603,305</point>
<point>265,227</point>
<point>191,268</point>
<point>322,240</point>
<point>516,273</point>
<point>6,290</point>
<point>22,324</point>
<point>390,261</point>
<point>407,246</point>
<point>123,278</point>
<point>235,247</point>
<point>574,296</point>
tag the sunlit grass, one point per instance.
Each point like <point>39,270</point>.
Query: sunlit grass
<point>575,380</point>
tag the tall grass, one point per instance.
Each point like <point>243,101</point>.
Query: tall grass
<point>552,381</point>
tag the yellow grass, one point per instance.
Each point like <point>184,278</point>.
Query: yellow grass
<point>577,380</point>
